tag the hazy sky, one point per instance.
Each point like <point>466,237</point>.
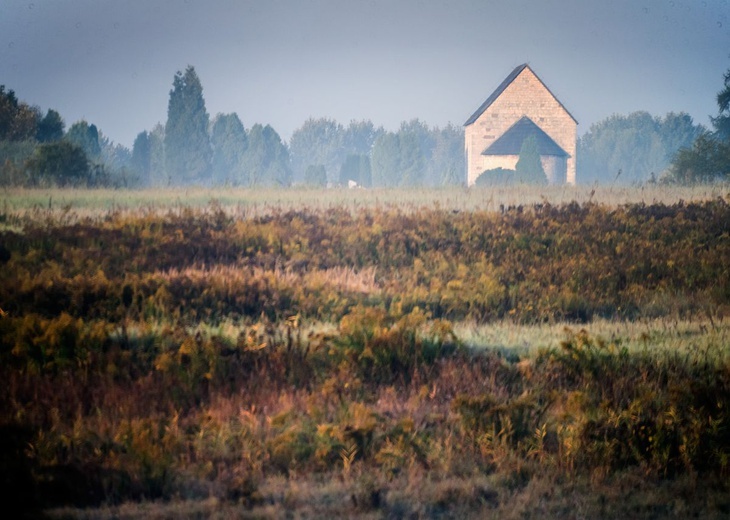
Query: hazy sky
<point>279,62</point>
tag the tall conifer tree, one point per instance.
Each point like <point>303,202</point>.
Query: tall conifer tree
<point>187,144</point>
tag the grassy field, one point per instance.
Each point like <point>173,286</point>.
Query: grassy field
<point>562,353</point>
<point>243,202</point>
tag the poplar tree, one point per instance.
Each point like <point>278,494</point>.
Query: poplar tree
<point>187,144</point>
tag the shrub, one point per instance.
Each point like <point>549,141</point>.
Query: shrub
<point>496,177</point>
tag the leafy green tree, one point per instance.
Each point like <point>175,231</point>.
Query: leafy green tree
<point>677,130</point>
<point>18,120</point>
<point>411,157</point>
<point>359,137</point>
<point>266,160</point>
<point>86,137</point>
<point>350,169</point>
<point>316,175</point>
<point>8,109</point>
<point>448,161</point>
<point>416,142</point>
<point>61,163</point>
<point>412,164</point>
<point>366,175</point>
<point>158,172</point>
<point>18,125</point>
<point>116,165</point>
<point>229,141</point>
<point>255,160</point>
<point>50,128</point>
<point>707,160</point>
<point>109,163</point>
<point>356,168</point>
<point>637,146</point>
<point>529,169</point>
<point>188,151</point>
<point>722,121</point>
<point>26,122</point>
<point>141,160</point>
<point>318,141</point>
<point>385,160</point>
<point>13,158</point>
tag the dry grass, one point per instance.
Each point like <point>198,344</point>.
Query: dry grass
<point>344,279</point>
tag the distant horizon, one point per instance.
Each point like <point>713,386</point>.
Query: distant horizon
<point>283,62</point>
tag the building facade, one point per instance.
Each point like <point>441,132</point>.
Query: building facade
<point>521,106</point>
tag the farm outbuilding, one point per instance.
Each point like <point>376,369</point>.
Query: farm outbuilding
<point>520,107</point>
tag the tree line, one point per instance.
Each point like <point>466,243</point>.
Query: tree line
<point>192,149</point>
<point>36,149</point>
<point>321,152</point>
<point>640,148</point>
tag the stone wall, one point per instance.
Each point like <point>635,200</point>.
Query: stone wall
<point>491,162</point>
<point>525,96</point>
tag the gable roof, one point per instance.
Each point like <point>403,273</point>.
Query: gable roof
<point>510,142</point>
<point>501,88</point>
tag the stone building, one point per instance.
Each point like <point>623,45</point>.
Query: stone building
<point>521,106</point>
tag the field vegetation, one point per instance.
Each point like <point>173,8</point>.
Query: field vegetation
<point>481,353</point>
<point>245,202</point>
